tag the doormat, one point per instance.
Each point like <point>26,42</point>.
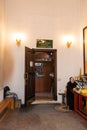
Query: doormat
<point>62,108</point>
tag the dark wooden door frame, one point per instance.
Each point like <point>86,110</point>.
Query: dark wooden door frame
<point>30,73</point>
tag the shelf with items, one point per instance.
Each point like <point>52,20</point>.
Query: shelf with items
<point>43,57</point>
<point>44,69</point>
<point>39,70</point>
<point>43,60</point>
<point>82,82</point>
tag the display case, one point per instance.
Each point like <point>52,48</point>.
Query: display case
<point>80,104</point>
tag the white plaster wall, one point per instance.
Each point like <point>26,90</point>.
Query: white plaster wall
<point>48,19</point>
<point>83,6</point>
<point>2,37</point>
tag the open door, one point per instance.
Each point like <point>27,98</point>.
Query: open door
<point>29,76</point>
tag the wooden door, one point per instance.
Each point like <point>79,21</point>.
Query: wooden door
<point>29,76</point>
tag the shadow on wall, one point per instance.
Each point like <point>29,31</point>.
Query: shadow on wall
<point>8,64</point>
<point>1,70</point>
<point>1,64</point>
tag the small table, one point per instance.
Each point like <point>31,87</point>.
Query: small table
<point>63,97</point>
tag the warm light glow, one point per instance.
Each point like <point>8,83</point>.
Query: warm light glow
<point>68,40</point>
<point>68,44</point>
<point>19,37</point>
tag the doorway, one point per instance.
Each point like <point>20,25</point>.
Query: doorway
<point>40,74</point>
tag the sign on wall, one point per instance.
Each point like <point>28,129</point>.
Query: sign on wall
<point>43,43</point>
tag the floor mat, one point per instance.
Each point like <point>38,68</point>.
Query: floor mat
<point>62,108</point>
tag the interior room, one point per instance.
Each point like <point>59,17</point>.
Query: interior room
<point>41,47</point>
<point>61,21</point>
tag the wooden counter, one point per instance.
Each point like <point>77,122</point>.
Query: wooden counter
<point>80,104</point>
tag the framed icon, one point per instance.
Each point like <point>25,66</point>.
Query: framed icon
<point>43,43</point>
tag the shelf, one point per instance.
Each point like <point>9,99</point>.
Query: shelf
<point>43,60</point>
<point>39,75</point>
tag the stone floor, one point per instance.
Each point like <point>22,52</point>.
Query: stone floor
<point>43,117</point>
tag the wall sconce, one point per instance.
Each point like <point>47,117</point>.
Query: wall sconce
<point>68,40</point>
<point>18,39</point>
<point>68,44</point>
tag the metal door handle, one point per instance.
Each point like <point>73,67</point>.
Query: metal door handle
<point>26,76</point>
